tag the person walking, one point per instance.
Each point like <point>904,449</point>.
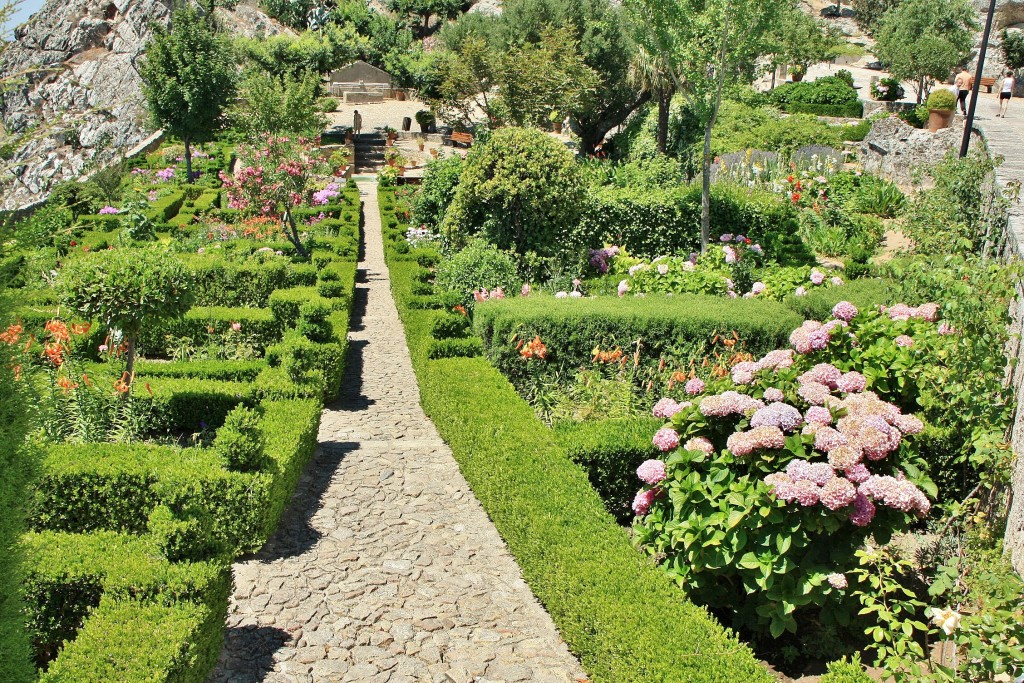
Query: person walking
<point>1005,92</point>
<point>357,122</point>
<point>964,82</point>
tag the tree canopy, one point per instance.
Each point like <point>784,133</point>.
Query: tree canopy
<point>925,40</point>
<point>188,79</point>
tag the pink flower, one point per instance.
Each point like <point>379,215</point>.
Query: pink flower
<point>945,328</point>
<point>103,348</point>
<point>818,472</point>
<point>695,386</point>
<point>844,310</point>
<point>773,394</point>
<point>837,493</point>
<point>728,403</point>
<point>525,291</point>
<point>652,472</point>
<point>822,373</point>
<point>836,281</point>
<point>826,438</point>
<point>858,474</point>
<point>804,492</point>
<point>776,360</point>
<point>623,288</point>
<point>236,327</point>
<point>744,443</point>
<point>908,424</point>
<point>904,340</point>
<point>699,443</point>
<point>819,414</point>
<point>811,336</point>
<point>743,373</point>
<point>109,210</point>
<point>844,457</point>
<point>929,312</point>
<point>730,254</point>
<point>666,439</point>
<point>837,581</point>
<point>876,437</point>
<point>662,269</point>
<point>852,382</point>
<point>757,288</point>
<point>800,291</point>
<point>814,393</point>
<point>666,408</point>
<point>564,295</point>
<point>643,501</point>
<point>817,277</point>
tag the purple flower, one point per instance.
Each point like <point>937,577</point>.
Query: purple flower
<point>727,237</point>
<point>109,210</point>
<point>863,510</point>
<point>666,439</point>
<point>858,474</point>
<point>781,415</point>
<point>652,472</point>
<point>740,239</point>
<point>756,249</point>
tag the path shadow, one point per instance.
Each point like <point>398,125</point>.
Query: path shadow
<point>248,654</point>
<point>351,397</point>
<point>295,534</point>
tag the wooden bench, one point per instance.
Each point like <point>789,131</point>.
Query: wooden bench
<point>988,83</point>
<point>461,139</point>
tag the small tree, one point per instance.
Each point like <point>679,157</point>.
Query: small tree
<point>278,105</point>
<point>1012,45</point>
<point>804,40</point>
<point>522,189</point>
<point>867,13</point>
<point>707,46</point>
<point>188,79</point>
<point>275,178</point>
<point>126,290</point>
<point>924,40</point>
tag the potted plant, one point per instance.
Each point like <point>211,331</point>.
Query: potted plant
<point>797,72</point>
<point>426,119</point>
<point>941,105</point>
<point>887,89</point>
<point>556,121</point>
<point>434,151</point>
<point>420,142</point>
<point>392,135</point>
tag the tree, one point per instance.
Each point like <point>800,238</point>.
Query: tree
<point>707,46</point>
<point>602,30</point>
<point>278,105</point>
<point>422,10</point>
<point>126,289</point>
<point>1012,45</point>
<point>651,75</point>
<point>521,189</point>
<point>187,79</point>
<point>867,13</point>
<point>521,86</point>
<point>804,40</point>
<point>924,40</point>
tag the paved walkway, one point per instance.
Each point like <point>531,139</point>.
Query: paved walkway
<point>385,568</point>
<point>1004,136</point>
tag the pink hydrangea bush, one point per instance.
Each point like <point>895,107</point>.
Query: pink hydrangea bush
<point>777,474</point>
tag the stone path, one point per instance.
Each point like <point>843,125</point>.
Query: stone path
<point>385,568</point>
<point>1003,136</point>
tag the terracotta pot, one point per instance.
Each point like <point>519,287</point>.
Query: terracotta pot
<point>420,145</point>
<point>557,127</point>
<point>939,119</point>
<point>401,170</point>
<point>400,95</point>
<point>797,76</point>
<point>434,152</point>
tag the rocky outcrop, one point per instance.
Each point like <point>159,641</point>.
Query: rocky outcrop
<point>898,151</point>
<point>78,101</point>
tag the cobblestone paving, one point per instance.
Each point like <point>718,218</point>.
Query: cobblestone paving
<point>385,567</point>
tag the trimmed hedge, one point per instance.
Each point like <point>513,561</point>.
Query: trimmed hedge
<point>619,614</point>
<point>116,486</point>
<point>682,327</point>
<point>224,370</point>
<point>130,615</point>
<point>165,208</point>
<point>865,294</point>
<point>826,96</point>
<point>259,329</point>
<point>610,451</point>
<point>218,282</point>
<point>657,222</point>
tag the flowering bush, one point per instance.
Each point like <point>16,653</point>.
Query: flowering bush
<point>789,464</point>
<point>720,270</point>
<point>276,178</point>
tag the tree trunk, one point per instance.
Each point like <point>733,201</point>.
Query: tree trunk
<point>292,231</point>
<point>188,158</point>
<point>664,103</point>
<point>705,194</point>
<point>129,367</point>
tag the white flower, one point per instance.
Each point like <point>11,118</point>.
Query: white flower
<point>561,295</point>
<point>662,269</point>
<point>946,619</point>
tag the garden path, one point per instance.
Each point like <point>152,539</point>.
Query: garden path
<point>385,567</point>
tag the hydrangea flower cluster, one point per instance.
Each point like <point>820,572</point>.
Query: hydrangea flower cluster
<point>109,211</point>
<point>928,312</point>
<point>667,407</point>
<point>599,258</point>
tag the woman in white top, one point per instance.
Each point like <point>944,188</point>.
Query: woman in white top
<point>1004,93</point>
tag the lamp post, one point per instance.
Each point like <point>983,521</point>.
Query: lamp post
<point>969,124</point>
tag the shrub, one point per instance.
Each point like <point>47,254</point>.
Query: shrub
<point>843,671</point>
<point>651,223</point>
<point>239,442</point>
<point>314,321</point>
<point>610,451</point>
<point>866,294</point>
<point>521,190</point>
<point>942,99</point>
<point>247,330</point>
<point>450,326</point>
<point>440,182</point>
<point>761,553</point>
<point>827,96</point>
<point>479,266</point>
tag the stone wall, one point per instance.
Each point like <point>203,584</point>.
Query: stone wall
<point>898,151</point>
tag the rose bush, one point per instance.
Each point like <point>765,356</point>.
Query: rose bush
<point>775,475</point>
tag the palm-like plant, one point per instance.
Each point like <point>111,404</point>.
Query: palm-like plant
<point>650,73</point>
